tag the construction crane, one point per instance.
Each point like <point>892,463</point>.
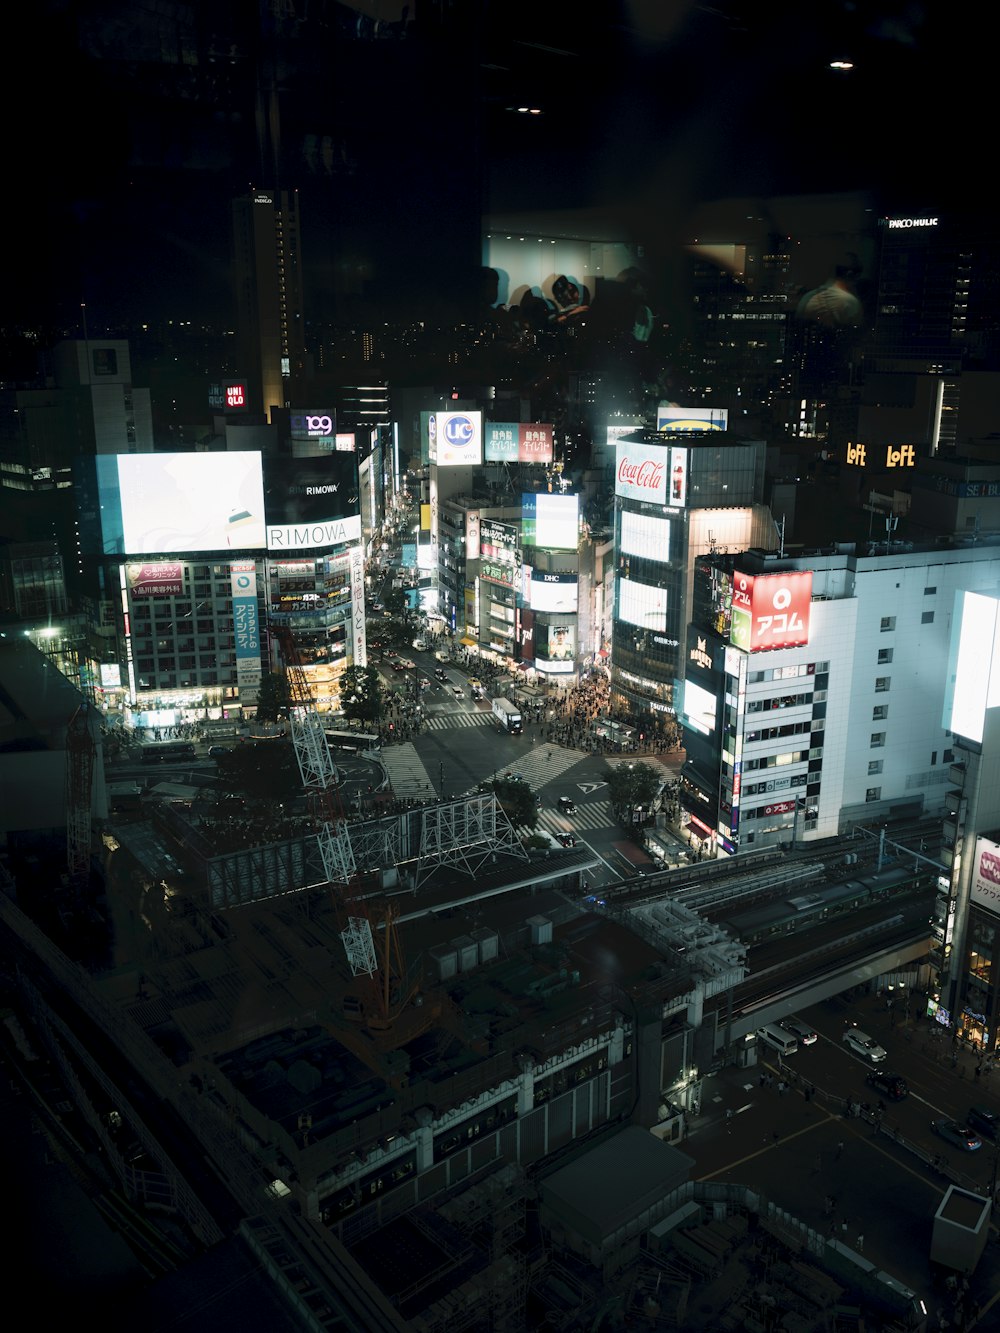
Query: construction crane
<point>382,1009</point>
<point>80,755</point>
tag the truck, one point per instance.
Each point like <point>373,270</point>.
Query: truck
<point>507,716</point>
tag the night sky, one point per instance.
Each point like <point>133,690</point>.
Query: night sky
<point>132,127</point>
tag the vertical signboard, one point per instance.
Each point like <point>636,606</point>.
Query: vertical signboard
<point>771,610</point>
<point>246,628</point>
<point>358,641</point>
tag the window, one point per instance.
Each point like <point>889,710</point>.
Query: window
<point>873,794</point>
<point>877,740</point>
<point>874,767</point>
<point>880,712</point>
<point>884,656</point>
<point>948,757</point>
<point>933,758</point>
<point>888,623</point>
<point>927,618</point>
<point>105,361</point>
<point>882,684</point>
<point>929,592</point>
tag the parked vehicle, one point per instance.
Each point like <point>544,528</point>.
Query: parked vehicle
<point>778,1039</point>
<point>802,1032</point>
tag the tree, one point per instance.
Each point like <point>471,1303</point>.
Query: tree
<point>361,694</point>
<point>272,697</point>
<point>517,800</point>
<point>632,787</point>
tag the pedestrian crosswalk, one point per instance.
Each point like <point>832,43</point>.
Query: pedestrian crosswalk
<point>407,775</point>
<point>540,765</point>
<point>454,721</point>
<point>590,815</point>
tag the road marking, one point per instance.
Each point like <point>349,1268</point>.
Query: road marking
<point>588,787</point>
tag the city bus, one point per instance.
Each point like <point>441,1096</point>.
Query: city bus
<point>163,752</point>
<point>351,742</point>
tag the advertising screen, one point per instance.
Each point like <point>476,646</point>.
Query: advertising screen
<point>313,423</point>
<point>671,418</point>
<point>498,552</point>
<point>617,429</point>
<point>164,580</point>
<point>456,438</point>
<point>311,501</point>
<point>645,535</point>
<point>191,502</point>
<point>699,707</point>
<point>554,592</point>
<point>230,396</point>
<point>771,610</point>
<point>551,521</point>
<point>641,472</point>
<point>517,442</point>
<point>643,605</point>
<point>973,680</point>
<point>555,646</point>
<point>246,627</point>
<point>986,875</point>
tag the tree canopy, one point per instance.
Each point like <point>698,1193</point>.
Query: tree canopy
<point>361,694</point>
<point>517,800</point>
<point>634,784</point>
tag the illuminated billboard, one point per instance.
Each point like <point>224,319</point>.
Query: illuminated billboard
<point>517,442</point>
<point>616,430</point>
<point>246,628</point>
<point>311,501</point>
<point>163,580</point>
<point>555,647</point>
<point>699,707</point>
<point>680,420</point>
<point>190,502</point>
<point>553,592</point>
<point>317,423</point>
<point>641,604</point>
<point>973,681</point>
<point>644,535</point>
<point>550,521</point>
<point>641,472</point>
<point>986,875</point>
<point>230,396</point>
<point>455,439</point>
<point>771,610</point>
<point>498,543</point>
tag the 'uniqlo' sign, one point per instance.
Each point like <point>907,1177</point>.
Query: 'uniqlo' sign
<point>771,610</point>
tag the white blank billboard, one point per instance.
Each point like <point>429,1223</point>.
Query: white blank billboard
<point>973,683</point>
<point>641,604</point>
<point>191,502</point>
<point>644,535</point>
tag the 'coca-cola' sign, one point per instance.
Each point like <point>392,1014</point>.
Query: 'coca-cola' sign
<point>642,472</point>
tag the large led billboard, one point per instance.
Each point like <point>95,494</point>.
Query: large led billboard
<point>550,521</point>
<point>517,442</point>
<point>645,535</point>
<point>191,502</point>
<point>642,604</point>
<point>167,504</point>
<point>681,420</point>
<point>554,592</point>
<point>641,472</point>
<point>455,439</point>
<point>555,646</point>
<point>771,610</point>
<point>973,682</point>
<point>986,875</point>
<point>699,708</point>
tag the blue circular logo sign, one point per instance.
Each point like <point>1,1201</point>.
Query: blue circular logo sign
<point>459,431</point>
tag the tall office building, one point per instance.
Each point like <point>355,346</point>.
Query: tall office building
<point>267,262</point>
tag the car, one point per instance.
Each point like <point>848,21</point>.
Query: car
<point>987,1122</point>
<point>420,645</point>
<point>566,839</point>
<point>397,664</point>
<point>425,682</point>
<point>478,692</point>
<point>959,1136</point>
<point>215,750</point>
<point>440,673</point>
<point>893,1086</point>
<point>863,1045</point>
<point>804,1034</point>
<point>458,692</point>
<point>567,805</point>
<point>475,684</point>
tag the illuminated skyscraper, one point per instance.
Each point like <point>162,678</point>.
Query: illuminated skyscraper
<point>267,262</point>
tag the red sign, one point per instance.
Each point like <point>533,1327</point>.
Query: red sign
<point>771,610</point>
<point>779,808</point>
<point>236,395</point>
<point>155,580</point>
